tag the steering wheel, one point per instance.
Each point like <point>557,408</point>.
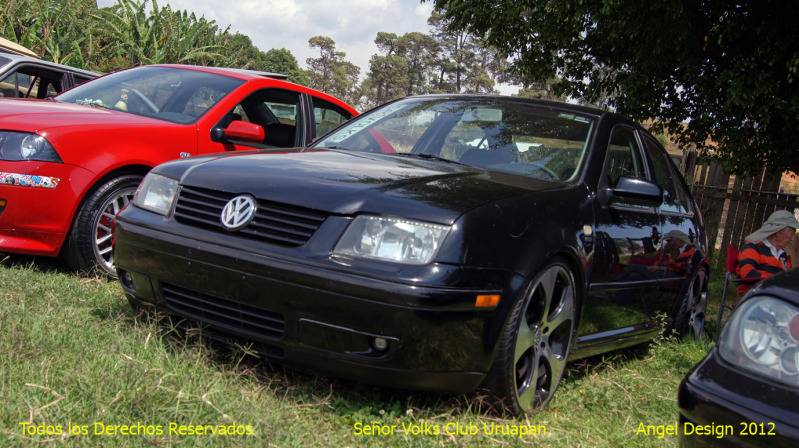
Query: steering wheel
<point>553,175</point>
<point>150,105</point>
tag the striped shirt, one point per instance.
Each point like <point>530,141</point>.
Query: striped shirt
<point>757,261</point>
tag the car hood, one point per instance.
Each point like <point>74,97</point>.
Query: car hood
<point>348,182</point>
<point>42,115</point>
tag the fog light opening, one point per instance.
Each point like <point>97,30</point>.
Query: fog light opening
<point>380,344</point>
<point>126,279</point>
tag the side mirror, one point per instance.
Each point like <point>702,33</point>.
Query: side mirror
<point>241,131</point>
<point>637,191</point>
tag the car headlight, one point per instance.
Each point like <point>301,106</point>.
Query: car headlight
<point>391,239</point>
<point>19,146</point>
<point>156,193</point>
<point>763,337</point>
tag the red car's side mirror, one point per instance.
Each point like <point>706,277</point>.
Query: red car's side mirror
<point>242,131</point>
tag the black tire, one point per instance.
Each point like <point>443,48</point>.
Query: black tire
<point>512,385</point>
<point>79,249</point>
<point>690,314</point>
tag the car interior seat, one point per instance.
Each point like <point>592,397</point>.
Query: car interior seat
<point>278,134</point>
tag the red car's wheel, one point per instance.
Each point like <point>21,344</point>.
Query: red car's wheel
<point>89,243</point>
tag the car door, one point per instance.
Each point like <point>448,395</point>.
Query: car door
<point>626,240</point>
<point>281,114</point>
<point>679,244</point>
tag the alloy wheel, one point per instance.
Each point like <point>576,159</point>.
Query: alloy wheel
<point>103,250</point>
<point>697,302</point>
<point>543,337</point>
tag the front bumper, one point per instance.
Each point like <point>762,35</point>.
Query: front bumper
<point>40,200</point>
<point>716,394</point>
<point>319,317</point>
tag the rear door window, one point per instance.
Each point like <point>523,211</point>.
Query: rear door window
<point>327,116</point>
<point>674,200</point>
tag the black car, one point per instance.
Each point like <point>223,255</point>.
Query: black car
<point>436,242</point>
<point>746,391</point>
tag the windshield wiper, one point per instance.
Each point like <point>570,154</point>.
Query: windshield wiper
<point>428,157</point>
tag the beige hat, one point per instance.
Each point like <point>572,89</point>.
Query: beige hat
<point>776,222</point>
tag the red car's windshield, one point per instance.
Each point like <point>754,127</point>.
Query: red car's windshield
<point>171,94</point>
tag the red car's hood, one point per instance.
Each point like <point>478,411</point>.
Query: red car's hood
<point>41,115</point>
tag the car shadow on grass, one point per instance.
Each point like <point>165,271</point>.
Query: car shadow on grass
<point>303,387</point>
<point>344,398</point>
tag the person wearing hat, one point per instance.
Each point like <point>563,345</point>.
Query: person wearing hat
<point>763,253</point>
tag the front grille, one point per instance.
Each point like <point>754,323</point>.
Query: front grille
<point>274,223</point>
<point>222,312</point>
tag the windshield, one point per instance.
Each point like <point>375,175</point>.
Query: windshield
<point>171,94</point>
<point>490,133</point>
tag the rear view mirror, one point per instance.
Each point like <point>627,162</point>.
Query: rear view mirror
<point>242,131</point>
<point>482,114</point>
<point>638,190</point>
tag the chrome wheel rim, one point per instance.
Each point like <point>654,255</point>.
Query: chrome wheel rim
<point>103,230</point>
<point>543,338</point>
<point>697,301</point>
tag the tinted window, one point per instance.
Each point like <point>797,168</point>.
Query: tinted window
<point>623,158</point>
<point>664,176</point>
<point>327,116</point>
<point>497,135</point>
<point>19,85</point>
<point>176,95</point>
<point>80,79</point>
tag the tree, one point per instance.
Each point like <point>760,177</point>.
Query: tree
<point>281,60</point>
<point>330,72</point>
<point>402,68</point>
<point>723,76</point>
<point>59,30</point>
<point>464,62</point>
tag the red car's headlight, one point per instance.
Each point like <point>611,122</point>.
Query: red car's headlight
<point>19,146</point>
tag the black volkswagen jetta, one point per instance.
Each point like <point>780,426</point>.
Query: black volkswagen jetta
<point>745,393</point>
<point>436,242</point>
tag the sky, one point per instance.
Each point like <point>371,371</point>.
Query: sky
<point>353,24</point>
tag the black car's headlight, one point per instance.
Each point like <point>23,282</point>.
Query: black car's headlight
<point>156,193</point>
<point>19,146</point>
<point>763,337</point>
<point>391,239</point>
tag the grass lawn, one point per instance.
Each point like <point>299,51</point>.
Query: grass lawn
<point>72,351</point>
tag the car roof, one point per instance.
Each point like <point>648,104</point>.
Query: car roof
<point>249,75</point>
<point>19,58</point>
<point>238,73</point>
<point>588,110</point>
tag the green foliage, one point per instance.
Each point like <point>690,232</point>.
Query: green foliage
<point>159,35</point>
<point>463,63</point>
<point>73,351</point>
<point>133,32</point>
<point>723,76</point>
<point>62,30</point>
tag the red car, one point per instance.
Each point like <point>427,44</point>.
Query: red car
<point>68,165</point>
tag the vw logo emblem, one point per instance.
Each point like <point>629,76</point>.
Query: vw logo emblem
<point>238,212</point>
